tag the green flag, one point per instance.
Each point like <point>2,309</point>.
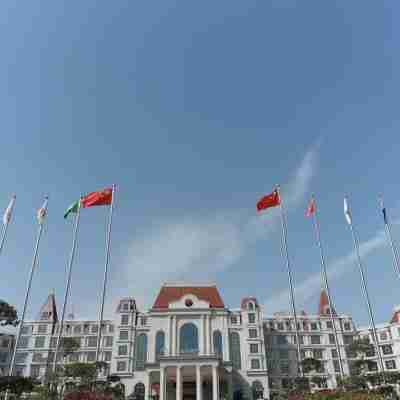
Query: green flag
<point>73,208</point>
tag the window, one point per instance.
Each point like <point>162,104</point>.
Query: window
<point>123,335</point>
<point>334,353</point>
<point>92,341</point>
<point>255,363</point>
<point>85,328</point>
<point>252,318</point>
<point>107,356</point>
<point>160,343</point>
<point>271,325</point>
<point>252,333</point>
<point>91,356</point>
<point>141,351</point>
<point>305,326</point>
<point>124,319</point>
<point>35,371</point>
<point>301,337</point>
<point>372,366</point>
<point>370,352</point>
<point>123,350</point>
<point>336,365</point>
<point>111,328</point>
<point>139,391</point>
<point>108,341</point>
<point>383,336</point>
<point>284,367</point>
<point>318,354</point>
<point>280,326</point>
<point>250,306</point>
<point>53,342</point>
<point>39,341</point>
<point>95,328</point>
<point>234,343</point>
<point>281,339</point>
<point>143,321</point>
<point>37,358</point>
<point>20,357</point>
<point>314,326</point>
<point>23,342</point>
<point>284,353</point>
<point>188,338</point>
<point>253,348</point>
<point>387,349</point>
<point>347,326</point>
<point>234,320</point>
<point>26,330</point>
<point>217,341</point>
<point>288,325</point>
<point>125,306</point>
<point>42,329</point>
<point>20,370</point>
<point>329,325</point>
<point>5,343</point>
<point>390,364</point>
<point>398,331</point>
<point>331,338</point>
<point>347,339</point>
<point>315,339</point>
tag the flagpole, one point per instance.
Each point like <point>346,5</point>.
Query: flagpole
<point>3,235</point>
<point>325,279</point>
<point>28,289</point>
<point>365,291</point>
<point>108,240</point>
<point>290,278</point>
<point>388,232</point>
<point>68,284</point>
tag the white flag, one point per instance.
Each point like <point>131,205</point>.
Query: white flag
<point>8,213</point>
<point>347,212</point>
<point>41,214</point>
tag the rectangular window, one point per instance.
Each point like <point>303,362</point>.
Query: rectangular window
<point>334,353</point>
<point>301,337</point>
<point>20,357</point>
<point>26,330</point>
<point>5,343</point>
<point>42,329</point>
<point>284,353</point>
<point>77,329</point>
<point>347,326</point>
<point>252,333</point>
<point>253,348</point>
<point>390,364</point>
<point>318,354</point>
<point>107,356</point>
<point>23,342</point>
<point>383,336</point>
<point>234,320</point>
<point>336,365</point>
<point>271,325</point>
<point>53,342</point>
<point>35,371</point>
<point>92,341</point>
<point>39,342</point>
<point>143,321</point>
<point>111,328</point>
<point>91,356</point>
<point>370,352</point>
<point>252,318</point>
<point>108,341</point>
<point>121,366</point>
<point>398,331</point>
<point>288,325</point>
<point>255,363</point>
<point>38,358</point>
<point>280,326</point>
<point>347,339</point>
<point>123,335</point>
<point>314,326</point>
<point>284,367</point>
<point>387,349</point>
<point>281,339</point>
<point>123,350</point>
<point>372,366</point>
<point>315,339</point>
<point>329,325</point>
<point>331,338</point>
<point>305,326</point>
<point>95,328</point>
<point>124,319</point>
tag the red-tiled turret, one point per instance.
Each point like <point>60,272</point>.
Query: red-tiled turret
<point>323,308</point>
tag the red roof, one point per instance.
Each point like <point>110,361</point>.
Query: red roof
<point>169,294</point>
<point>323,308</point>
<point>396,317</point>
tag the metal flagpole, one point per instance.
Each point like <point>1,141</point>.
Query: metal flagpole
<point>28,289</point>
<point>388,232</point>
<point>108,240</point>
<point>364,286</point>
<point>68,285</point>
<point>290,278</point>
<point>325,278</point>
<point>3,236</point>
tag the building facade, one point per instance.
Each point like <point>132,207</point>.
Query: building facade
<point>6,347</point>
<point>189,346</point>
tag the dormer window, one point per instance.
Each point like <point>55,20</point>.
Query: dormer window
<point>188,302</point>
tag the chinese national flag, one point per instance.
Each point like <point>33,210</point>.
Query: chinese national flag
<point>268,201</point>
<point>311,208</point>
<point>101,198</point>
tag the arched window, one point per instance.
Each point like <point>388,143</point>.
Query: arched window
<point>258,390</point>
<point>139,391</point>
<point>189,339</point>
<point>160,343</point>
<point>217,341</point>
<point>250,306</point>
<point>235,350</point>
<point>141,351</point>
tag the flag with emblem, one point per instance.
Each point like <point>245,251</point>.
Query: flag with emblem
<point>100,198</point>
<point>42,212</point>
<point>268,201</point>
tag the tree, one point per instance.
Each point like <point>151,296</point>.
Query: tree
<point>8,314</point>
<point>310,365</point>
<point>68,346</point>
<point>17,384</point>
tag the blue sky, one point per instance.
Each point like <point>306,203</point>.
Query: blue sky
<point>196,109</point>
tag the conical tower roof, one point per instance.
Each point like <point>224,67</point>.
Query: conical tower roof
<point>48,312</point>
<point>323,308</point>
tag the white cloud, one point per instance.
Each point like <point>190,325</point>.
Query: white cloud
<point>312,285</point>
<point>197,248</point>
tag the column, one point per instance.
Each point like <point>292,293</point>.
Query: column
<point>147,394</point>
<point>199,386</point>
<point>214,382</point>
<point>173,352</point>
<point>162,383</point>
<point>201,336</point>
<point>210,349</point>
<point>206,334</point>
<point>178,383</point>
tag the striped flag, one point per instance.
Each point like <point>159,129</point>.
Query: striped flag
<point>42,212</point>
<point>8,213</point>
<point>311,208</point>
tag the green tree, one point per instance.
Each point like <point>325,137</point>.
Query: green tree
<point>310,365</point>
<point>8,314</point>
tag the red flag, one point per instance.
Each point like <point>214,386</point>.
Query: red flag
<point>311,208</point>
<point>101,198</point>
<point>270,200</point>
